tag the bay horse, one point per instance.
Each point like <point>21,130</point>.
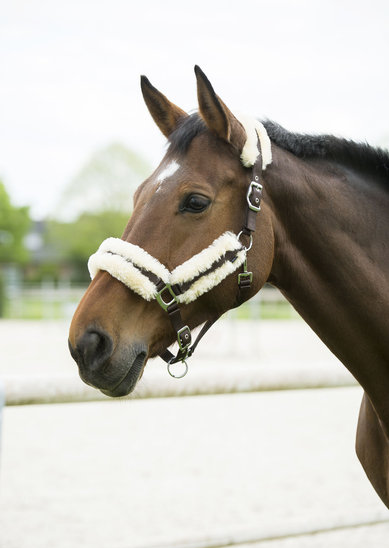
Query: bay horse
<point>321,238</point>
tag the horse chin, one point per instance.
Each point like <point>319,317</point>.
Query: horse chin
<point>131,366</point>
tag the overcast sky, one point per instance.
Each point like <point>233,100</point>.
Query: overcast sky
<point>70,75</point>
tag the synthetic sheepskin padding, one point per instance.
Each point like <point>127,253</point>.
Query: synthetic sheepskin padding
<point>200,262</point>
<point>254,131</point>
<point>208,282</point>
<point>124,271</point>
<point>121,260</point>
<point>137,255</point>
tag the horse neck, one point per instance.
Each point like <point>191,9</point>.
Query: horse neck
<point>331,259</point>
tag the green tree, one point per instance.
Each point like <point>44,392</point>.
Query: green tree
<point>107,181</point>
<point>14,225</point>
<point>94,205</point>
<point>75,242</point>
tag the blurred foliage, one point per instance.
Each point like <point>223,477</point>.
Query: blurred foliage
<point>14,225</point>
<point>73,243</point>
<point>96,204</point>
<point>2,295</point>
<point>107,181</point>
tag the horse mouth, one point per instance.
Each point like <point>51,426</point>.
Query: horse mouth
<point>128,382</point>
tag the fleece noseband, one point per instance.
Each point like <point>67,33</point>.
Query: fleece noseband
<point>146,276</point>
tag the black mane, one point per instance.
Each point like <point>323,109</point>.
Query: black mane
<point>360,155</point>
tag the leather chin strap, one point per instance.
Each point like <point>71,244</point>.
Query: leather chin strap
<point>184,336</point>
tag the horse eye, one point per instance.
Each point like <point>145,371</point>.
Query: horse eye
<point>195,203</point>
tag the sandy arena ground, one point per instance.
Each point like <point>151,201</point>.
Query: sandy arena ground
<point>174,472</point>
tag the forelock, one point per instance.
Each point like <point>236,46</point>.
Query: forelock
<point>187,129</point>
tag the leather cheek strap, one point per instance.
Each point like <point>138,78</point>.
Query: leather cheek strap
<point>253,199</point>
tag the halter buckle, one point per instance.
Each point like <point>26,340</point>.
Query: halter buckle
<point>184,339</point>
<point>245,278</point>
<point>257,186</point>
<point>164,304</point>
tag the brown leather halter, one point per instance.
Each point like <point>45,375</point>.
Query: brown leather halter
<point>145,275</point>
<point>167,295</point>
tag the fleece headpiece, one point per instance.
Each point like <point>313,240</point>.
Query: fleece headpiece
<point>255,131</point>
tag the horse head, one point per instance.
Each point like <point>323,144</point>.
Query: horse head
<point>197,194</point>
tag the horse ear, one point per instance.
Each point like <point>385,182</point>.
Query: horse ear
<point>165,114</point>
<point>218,118</point>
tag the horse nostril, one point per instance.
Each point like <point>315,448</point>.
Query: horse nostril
<point>94,348</point>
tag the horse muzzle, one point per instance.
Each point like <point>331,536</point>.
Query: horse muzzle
<point>115,371</point>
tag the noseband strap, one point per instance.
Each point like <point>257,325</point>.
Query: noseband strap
<point>146,276</point>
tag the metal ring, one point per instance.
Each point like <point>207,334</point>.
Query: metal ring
<point>182,374</point>
<point>251,241</point>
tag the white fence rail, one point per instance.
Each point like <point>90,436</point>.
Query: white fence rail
<point>242,353</point>
<point>44,301</point>
<point>236,356</point>
<point>58,301</point>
